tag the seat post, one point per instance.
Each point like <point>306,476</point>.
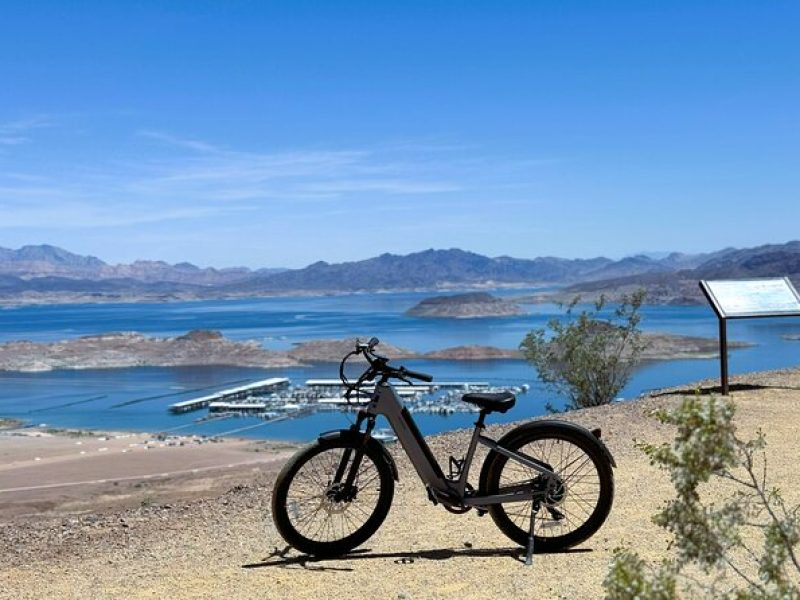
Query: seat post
<point>467,461</point>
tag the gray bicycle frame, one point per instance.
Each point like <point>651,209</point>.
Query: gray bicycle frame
<point>386,402</point>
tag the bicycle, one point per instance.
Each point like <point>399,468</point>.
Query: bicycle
<point>548,485</point>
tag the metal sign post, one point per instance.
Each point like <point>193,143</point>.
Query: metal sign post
<point>747,299</point>
<point>723,355</point>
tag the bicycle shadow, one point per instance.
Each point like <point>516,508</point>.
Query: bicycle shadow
<point>279,558</point>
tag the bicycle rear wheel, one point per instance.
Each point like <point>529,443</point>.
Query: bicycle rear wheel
<point>321,517</point>
<point>570,514</point>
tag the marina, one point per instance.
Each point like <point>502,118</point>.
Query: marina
<point>242,391</point>
<point>275,399</point>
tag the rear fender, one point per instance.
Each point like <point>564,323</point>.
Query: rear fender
<point>523,430</point>
<point>357,437</point>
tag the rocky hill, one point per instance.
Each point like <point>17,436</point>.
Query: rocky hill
<point>334,350</point>
<point>204,348</point>
<point>130,349</point>
<point>465,306</point>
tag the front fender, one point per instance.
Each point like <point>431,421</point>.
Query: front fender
<point>357,437</point>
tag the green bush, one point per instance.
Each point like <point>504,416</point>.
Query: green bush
<point>587,357</point>
<point>712,556</point>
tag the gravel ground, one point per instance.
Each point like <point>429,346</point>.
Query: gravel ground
<point>227,547</point>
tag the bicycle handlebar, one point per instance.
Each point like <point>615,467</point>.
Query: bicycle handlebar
<point>378,365</point>
<point>416,375</point>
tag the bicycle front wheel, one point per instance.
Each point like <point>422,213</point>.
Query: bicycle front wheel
<point>571,513</point>
<point>319,516</point>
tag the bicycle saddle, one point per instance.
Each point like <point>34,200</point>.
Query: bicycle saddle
<point>499,402</point>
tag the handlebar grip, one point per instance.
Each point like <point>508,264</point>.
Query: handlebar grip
<point>415,375</point>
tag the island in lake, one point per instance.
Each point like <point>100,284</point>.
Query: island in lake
<point>205,348</point>
<point>473,305</point>
<point>131,349</point>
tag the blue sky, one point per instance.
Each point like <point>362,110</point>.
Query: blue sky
<point>278,134</point>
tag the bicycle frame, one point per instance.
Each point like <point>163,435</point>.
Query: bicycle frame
<point>450,491</point>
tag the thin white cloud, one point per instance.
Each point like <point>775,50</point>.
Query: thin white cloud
<point>161,136</point>
<point>73,215</point>
<point>14,133</point>
<point>309,174</point>
<point>195,179</point>
<point>389,186</point>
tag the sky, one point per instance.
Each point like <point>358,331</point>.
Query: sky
<point>276,134</point>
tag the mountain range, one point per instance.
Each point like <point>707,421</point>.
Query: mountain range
<point>36,272</point>
<point>679,286</point>
<point>50,261</point>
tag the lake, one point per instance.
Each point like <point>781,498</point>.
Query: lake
<point>85,398</point>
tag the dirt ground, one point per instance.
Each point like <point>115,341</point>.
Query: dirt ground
<point>44,475</point>
<point>226,547</point>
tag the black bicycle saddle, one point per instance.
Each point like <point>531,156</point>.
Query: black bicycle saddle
<point>499,402</point>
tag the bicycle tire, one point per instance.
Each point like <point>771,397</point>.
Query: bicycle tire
<point>513,519</point>
<point>311,542</point>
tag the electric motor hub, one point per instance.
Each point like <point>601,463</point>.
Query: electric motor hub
<point>556,492</point>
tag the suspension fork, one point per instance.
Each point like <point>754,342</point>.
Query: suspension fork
<point>359,452</point>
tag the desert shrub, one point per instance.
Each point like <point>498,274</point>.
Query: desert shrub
<point>737,547</point>
<point>586,356</point>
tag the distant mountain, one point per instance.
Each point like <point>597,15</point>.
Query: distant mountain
<point>427,269</point>
<point>764,261</point>
<point>31,262</point>
<point>46,259</point>
<point>35,273</point>
<point>680,285</point>
<point>443,269</point>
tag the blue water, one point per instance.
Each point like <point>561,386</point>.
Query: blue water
<point>86,398</point>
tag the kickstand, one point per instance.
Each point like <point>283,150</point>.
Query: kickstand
<point>529,555</point>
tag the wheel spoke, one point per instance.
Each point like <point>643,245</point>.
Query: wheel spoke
<point>575,502</point>
<point>323,511</point>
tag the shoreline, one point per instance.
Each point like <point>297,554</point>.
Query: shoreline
<point>204,348</point>
<point>56,299</point>
<point>551,293</point>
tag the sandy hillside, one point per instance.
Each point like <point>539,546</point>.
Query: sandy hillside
<point>222,547</point>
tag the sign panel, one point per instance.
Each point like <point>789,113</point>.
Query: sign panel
<point>743,298</point>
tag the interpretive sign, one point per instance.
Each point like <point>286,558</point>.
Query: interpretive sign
<point>748,299</point>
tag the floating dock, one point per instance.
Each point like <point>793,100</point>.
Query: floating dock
<point>237,393</point>
<point>461,385</point>
<point>257,407</point>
